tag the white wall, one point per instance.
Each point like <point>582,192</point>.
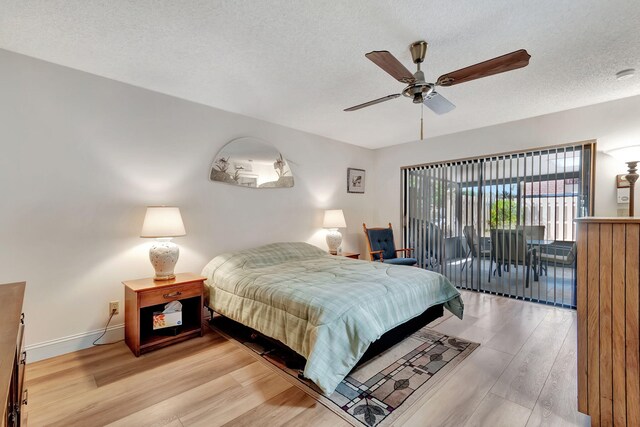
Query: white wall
<point>612,124</point>
<point>81,157</point>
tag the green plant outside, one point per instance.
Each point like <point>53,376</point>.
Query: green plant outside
<point>503,213</point>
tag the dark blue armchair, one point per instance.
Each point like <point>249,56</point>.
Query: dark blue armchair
<point>383,248</point>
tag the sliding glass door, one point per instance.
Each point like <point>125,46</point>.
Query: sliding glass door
<point>502,224</point>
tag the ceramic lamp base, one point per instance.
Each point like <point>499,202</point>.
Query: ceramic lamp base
<point>334,240</point>
<point>164,256</point>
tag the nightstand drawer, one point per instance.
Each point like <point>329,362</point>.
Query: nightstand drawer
<point>172,293</point>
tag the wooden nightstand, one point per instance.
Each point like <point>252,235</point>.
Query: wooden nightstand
<point>350,255</point>
<point>145,296</point>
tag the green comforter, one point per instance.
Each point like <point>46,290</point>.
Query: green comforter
<point>327,308</point>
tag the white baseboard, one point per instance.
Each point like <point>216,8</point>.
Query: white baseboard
<point>52,348</point>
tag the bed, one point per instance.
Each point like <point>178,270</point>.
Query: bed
<point>328,309</point>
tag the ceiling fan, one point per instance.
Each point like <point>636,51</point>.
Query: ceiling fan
<point>423,92</point>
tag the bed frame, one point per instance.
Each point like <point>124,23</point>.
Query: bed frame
<point>386,341</point>
<point>400,332</point>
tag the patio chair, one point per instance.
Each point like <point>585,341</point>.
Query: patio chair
<point>533,232</point>
<point>558,254</point>
<point>434,245</point>
<point>476,247</point>
<point>509,247</point>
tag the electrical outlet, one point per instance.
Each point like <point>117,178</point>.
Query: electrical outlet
<point>114,306</point>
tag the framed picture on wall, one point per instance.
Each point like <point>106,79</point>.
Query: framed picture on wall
<point>355,180</point>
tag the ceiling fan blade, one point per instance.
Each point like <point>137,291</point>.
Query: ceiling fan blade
<point>508,62</point>
<point>391,65</point>
<point>375,101</point>
<point>438,103</point>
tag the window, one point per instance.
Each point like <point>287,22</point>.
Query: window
<point>502,224</point>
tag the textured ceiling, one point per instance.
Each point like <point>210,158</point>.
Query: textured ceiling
<point>299,62</point>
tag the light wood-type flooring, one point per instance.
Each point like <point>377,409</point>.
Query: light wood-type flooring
<point>523,374</point>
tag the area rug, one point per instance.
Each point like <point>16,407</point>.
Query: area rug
<point>375,393</point>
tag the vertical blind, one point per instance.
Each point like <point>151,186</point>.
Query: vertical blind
<point>504,223</point>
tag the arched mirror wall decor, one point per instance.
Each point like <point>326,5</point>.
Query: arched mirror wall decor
<point>251,162</point>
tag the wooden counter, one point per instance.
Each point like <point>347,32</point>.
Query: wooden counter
<point>609,320</point>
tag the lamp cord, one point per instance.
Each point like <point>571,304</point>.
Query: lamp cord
<point>113,312</point>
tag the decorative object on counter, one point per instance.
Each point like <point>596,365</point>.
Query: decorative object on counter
<point>632,177</point>
<point>622,187</point>
<point>631,156</point>
<point>251,162</point>
<point>334,219</point>
<point>355,180</point>
<point>163,223</point>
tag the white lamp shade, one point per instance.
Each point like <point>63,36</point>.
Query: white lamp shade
<point>334,218</point>
<point>163,221</point>
<point>626,154</point>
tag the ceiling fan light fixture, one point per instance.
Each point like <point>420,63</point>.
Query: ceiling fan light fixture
<point>417,98</point>
<point>625,74</point>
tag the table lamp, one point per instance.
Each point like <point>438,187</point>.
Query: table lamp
<point>631,156</point>
<point>163,223</point>
<point>334,219</point>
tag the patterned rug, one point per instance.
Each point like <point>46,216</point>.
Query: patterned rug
<point>376,392</point>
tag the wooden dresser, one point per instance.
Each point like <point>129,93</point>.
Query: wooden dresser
<point>609,320</point>
<point>12,356</point>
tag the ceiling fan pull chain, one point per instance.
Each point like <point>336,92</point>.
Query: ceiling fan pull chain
<point>421,122</point>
